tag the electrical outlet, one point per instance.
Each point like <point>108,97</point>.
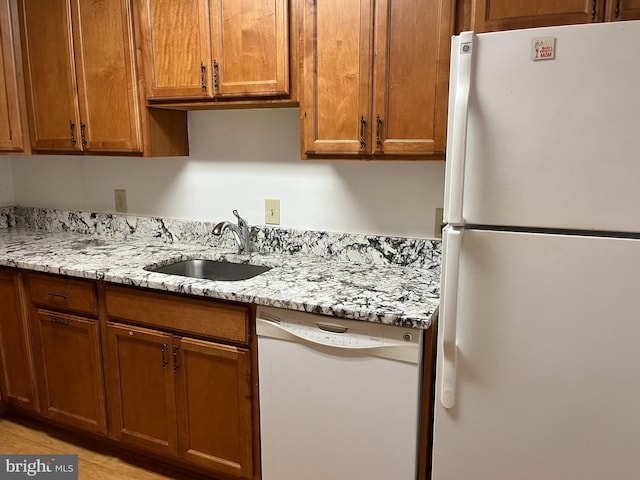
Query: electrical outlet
<point>437,226</point>
<point>121,201</point>
<point>272,211</point>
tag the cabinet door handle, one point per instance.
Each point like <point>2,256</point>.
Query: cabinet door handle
<point>83,139</point>
<point>175,359</point>
<point>58,321</point>
<point>593,10</point>
<point>72,127</point>
<point>215,75</point>
<point>362,123</point>
<point>164,358</point>
<point>617,9</point>
<point>203,84</point>
<point>57,294</point>
<point>378,125</point>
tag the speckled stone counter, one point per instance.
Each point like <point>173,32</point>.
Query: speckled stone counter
<point>377,279</point>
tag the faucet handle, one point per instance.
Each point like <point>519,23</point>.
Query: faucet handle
<point>240,219</point>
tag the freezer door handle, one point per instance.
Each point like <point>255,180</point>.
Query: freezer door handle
<point>452,241</point>
<point>458,147</point>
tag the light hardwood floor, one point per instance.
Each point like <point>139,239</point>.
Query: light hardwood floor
<point>23,435</point>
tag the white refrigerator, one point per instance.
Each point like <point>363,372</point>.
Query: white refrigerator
<point>538,363</point>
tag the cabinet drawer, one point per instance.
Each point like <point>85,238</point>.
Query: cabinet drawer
<point>177,313</point>
<point>61,293</point>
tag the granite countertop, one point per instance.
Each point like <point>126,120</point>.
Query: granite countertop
<point>383,293</point>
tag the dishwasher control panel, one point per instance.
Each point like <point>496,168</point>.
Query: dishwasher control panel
<point>332,334</point>
<point>326,332</point>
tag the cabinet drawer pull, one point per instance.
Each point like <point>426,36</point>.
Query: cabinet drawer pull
<point>175,359</point>
<point>203,84</point>
<point>378,125</point>
<point>83,139</point>
<point>617,8</point>
<point>362,123</point>
<point>72,127</point>
<point>57,294</point>
<point>164,358</point>
<point>215,75</point>
<point>593,10</point>
<point>58,321</point>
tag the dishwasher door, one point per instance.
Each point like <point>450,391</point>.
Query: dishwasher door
<point>339,399</point>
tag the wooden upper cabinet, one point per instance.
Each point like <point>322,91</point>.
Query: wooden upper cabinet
<point>106,77</point>
<point>206,49</point>
<point>250,47</point>
<point>336,101</point>
<point>411,77</point>
<point>375,78</point>
<point>176,41</point>
<point>50,75</point>
<point>81,78</point>
<point>13,120</point>
<point>622,10</point>
<point>493,15</point>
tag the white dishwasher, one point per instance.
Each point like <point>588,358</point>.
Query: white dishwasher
<point>339,399</point>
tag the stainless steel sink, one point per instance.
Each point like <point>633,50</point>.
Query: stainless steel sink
<point>212,269</point>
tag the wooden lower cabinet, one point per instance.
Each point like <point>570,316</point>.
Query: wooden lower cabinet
<point>214,406</point>
<point>141,388</point>
<point>69,367</point>
<point>180,396</point>
<point>17,384</point>
<point>174,372</point>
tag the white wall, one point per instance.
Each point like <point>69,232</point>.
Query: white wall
<point>237,159</point>
<point>7,198</point>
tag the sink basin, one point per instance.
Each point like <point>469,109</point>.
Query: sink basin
<point>212,269</point>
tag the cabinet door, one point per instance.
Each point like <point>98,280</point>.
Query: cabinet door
<point>140,382</point>
<point>214,405</point>
<point>411,76</point>
<point>177,48</point>
<point>250,47</point>
<point>107,88</point>
<point>492,15</point>
<point>623,10</point>
<point>336,103</point>
<point>54,115</point>
<point>16,377</point>
<point>70,370</point>
<point>11,113</point>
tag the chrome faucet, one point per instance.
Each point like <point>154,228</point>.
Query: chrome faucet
<point>240,232</point>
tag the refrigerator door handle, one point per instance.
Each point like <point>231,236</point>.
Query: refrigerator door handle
<point>458,137</point>
<point>452,241</point>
